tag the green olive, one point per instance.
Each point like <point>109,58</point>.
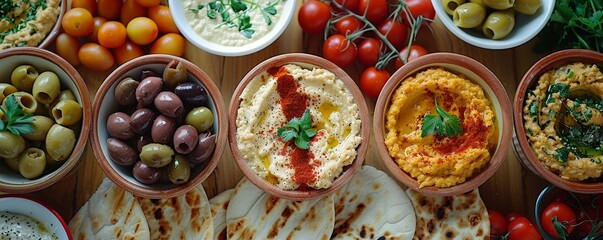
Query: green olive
<point>450,5</point>
<point>59,142</point>
<point>67,112</point>
<point>529,7</point>
<point>47,87</point>
<point>12,163</point>
<point>201,118</point>
<point>174,74</point>
<point>23,77</point>
<point>65,94</point>
<point>469,15</point>
<point>156,155</point>
<point>179,170</point>
<point>5,90</point>
<point>32,163</point>
<point>12,145</point>
<point>41,126</point>
<point>499,4</point>
<point>477,1</point>
<point>499,24</point>
<point>27,102</point>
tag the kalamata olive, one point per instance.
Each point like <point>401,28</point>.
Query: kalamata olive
<point>185,139</point>
<point>41,126</point>
<point>32,163</point>
<point>26,101</point>
<point>169,104</point>
<point>67,112</point>
<point>174,73</point>
<point>59,142</point>
<point>163,176</point>
<point>46,88</point>
<point>191,93</point>
<point>143,140</point>
<point>125,91</point>
<point>11,145</point>
<point>141,120</point>
<point>201,118</point>
<point>121,153</point>
<point>145,174</point>
<point>156,155</point>
<point>179,170</point>
<point>203,150</point>
<point>147,90</point>
<point>147,73</point>
<point>5,90</point>
<point>23,77</point>
<point>12,163</point>
<point>163,129</point>
<point>118,125</point>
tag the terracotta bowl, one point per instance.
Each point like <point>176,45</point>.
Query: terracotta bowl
<point>37,210</point>
<point>52,35</point>
<point>477,73</point>
<point>105,104</point>
<point>44,60</point>
<point>309,61</point>
<point>522,147</point>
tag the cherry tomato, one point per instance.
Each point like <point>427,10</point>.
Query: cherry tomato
<point>313,16</point>
<point>163,17</point>
<point>376,10</point>
<point>348,25</point>
<point>148,3</point>
<point>142,30</point>
<point>419,8</point>
<point>560,211</point>
<point>112,34</point>
<point>130,10</point>
<point>171,43</point>
<point>339,50</point>
<point>368,51</point>
<point>98,21</point>
<point>89,5</point>
<point>372,81</point>
<point>415,52</point>
<point>498,223</point>
<point>521,229</point>
<point>396,32</point>
<point>127,52</point>
<point>351,5</point>
<point>585,219</point>
<point>95,57</point>
<point>109,9</point>
<point>512,216</point>
<point>78,22</point>
<point>67,47</point>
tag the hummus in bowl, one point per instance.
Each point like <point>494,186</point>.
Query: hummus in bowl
<point>30,23</point>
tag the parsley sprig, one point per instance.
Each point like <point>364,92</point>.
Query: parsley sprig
<point>17,122</point>
<point>441,124</point>
<point>299,129</point>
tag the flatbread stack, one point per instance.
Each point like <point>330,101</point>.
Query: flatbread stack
<point>459,217</point>
<point>218,206</point>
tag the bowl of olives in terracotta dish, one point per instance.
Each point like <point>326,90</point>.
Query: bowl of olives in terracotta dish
<point>158,126</point>
<point>44,119</point>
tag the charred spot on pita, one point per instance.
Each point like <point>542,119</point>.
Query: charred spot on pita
<point>158,214</point>
<point>441,213</point>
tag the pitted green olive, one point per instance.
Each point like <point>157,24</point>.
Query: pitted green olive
<point>23,77</point>
<point>59,142</point>
<point>64,95</point>
<point>179,170</point>
<point>174,73</point>
<point>5,90</point>
<point>27,102</point>
<point>47,87</point>
<point>12,163</point>
<point>201,118</point>
<point>469,15</point>
<point>41,126</point>
<point>499,24</point>
<point>499,4</point>
<point>32,163</point>
<point>67,112</point>
<point>477,1</point>
<point>529,7</point>
<point>12,145</point>
<point>451,5</point>
<point>156,155</point>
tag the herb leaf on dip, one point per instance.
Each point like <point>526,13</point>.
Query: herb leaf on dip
<point>299,129</point>
<point>441,124</point>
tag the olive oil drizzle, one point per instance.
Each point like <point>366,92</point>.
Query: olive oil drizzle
<point>19,22</point>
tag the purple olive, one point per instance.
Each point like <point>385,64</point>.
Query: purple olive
<point>125,91</point>
<point>118,125</point>
<point>163,130</point>
<point>141,120</point>
<point>191,93</point>
<point>121,153</point>
<point>143,140</point>
<point>169,104</point>
<point>147,73</point>
<point>185,139</point>
<point>203,150</point>
<point>147,90</point>
<point>146,174</point>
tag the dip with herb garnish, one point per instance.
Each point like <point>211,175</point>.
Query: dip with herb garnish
<point>232,22</point>
<point>563,118</point>
<point>18,226</point>
<point>27,22</point>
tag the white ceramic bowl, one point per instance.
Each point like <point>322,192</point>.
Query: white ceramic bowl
<point>38,210</point>
<point>178,11</point>
<point>526,27</point>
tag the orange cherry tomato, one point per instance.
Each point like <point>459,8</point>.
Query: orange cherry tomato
<point>98,21</point>
<point>78,22</point>
<point>163,17</point>
<point>95,57</point>
<point>130,10</point>
<point>148,3</point>
<point>127,52</point>
<point>142,30</point>
<point>89,5</point>
<point>109,9</point>
<point>171,43</point>
<point>67,47</point>
<point>112,34</point>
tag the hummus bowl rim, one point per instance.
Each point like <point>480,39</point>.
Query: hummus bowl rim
<point>36,208</point>
<point>56,29</point>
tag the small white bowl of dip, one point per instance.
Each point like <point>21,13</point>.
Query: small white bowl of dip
<point>40,215</point>
<point>216,37</point>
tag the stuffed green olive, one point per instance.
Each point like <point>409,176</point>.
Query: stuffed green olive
<point>499,24</point>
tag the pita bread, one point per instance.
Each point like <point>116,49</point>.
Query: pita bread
<point>371,206</point>
<point>253,214</point>
<point>183,217</point>
<point>218,206</point>
<point>111,213</point>
<point>459,217</point>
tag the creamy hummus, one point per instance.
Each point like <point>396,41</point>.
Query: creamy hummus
<point>27,22</point>
<point>17,226</point>
<point>217,22</point>
<point>435,160</point>
<point>564,122</point>
<point>263,110</point>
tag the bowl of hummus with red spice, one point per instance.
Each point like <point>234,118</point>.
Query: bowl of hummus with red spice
<point>443,124</point>
<point>33,23</point>
<point>298,126</point>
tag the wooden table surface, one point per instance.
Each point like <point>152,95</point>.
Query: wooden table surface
<point>512,188</point>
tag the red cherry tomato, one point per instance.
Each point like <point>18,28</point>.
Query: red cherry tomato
<point>512,216</point>
<point>419,8</point>
<point>372,81</point>
<point>368,51</point>
<point>521,229</point>
<point>415,52</point>
<point>585,219</point>
<point>351,5</point>
<point>498,223</point>
<point>560,212</point>
<point>313,16</point>
<point>396,32</point>
<point>348,25</point>
<point>375,10</point>
<point>339,50</point>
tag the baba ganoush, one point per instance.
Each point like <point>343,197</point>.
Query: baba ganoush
<point>438,160</point>
<point>232,23</point>
<point>276,96</point>
<point>563,119</point>
<point>27,22</point>
<point>18,226</point>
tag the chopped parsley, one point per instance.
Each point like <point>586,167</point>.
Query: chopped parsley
<point>18,23</point>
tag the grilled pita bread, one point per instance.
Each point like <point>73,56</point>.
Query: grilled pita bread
<point>111,213</point>
<point>459,217</point>
<point>371,206</point>
<point>253,214</point>
<point>218,206</point>
<point>183,217</point>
